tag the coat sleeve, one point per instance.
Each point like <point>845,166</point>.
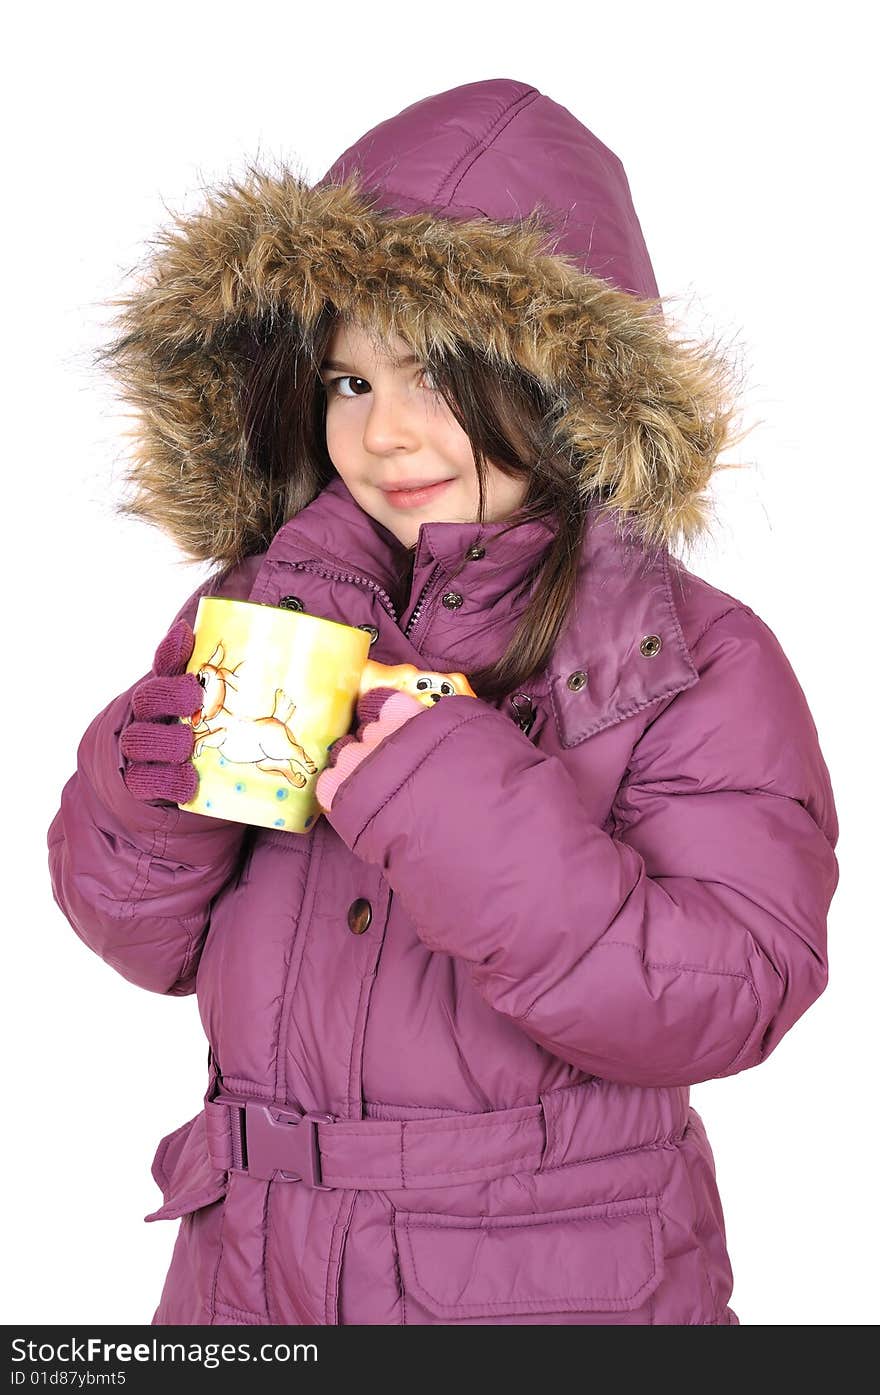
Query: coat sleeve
<point>676,948</point>
<point>136,879</point>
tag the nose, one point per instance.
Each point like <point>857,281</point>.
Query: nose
<point>390,425</point>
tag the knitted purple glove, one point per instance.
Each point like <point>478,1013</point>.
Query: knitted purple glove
<point>157,747</point>
<point>379,712</point>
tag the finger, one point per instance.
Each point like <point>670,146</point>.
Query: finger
<point>167,697</point>
<point>328,782</point>
<point>178,783</point>
<point>395,711</point>
<point>370,704</point>
<point>156,741</point>
<point>175,651</point>
<point>339,746</point>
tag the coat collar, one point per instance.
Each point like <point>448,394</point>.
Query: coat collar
<point>339,530</point>
<point>624,603</point>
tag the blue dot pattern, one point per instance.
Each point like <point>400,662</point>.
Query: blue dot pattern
<point>279,823</point>
<point>239,788</point>
<point>222,761</point>
<point>308,820</point>
<point>281,794</point>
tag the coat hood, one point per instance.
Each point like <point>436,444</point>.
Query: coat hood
<point>485,216</point>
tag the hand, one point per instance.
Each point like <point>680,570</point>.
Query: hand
<point>379,712</point>
<point>158,749</point>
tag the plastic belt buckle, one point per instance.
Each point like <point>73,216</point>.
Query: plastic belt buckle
<point>284,1141</point>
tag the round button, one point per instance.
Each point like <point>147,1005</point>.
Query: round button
<point>650,645</point>
<point>291,603</point>
<point>372,631</point>
<point>577,680</point>
<point>452,600</point>
<point>474,553</point>
<point>360,913</point>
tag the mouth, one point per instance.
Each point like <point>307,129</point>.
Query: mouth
<point>409,494</point>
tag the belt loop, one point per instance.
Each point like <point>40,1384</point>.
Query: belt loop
<point>548,1119</point>
<point>566,1111</point>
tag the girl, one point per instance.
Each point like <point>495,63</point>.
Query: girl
<point>452,1030</point>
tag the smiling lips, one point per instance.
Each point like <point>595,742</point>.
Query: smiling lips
<point>410,493</point>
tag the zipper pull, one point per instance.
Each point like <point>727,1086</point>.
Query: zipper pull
<point>524,710</point>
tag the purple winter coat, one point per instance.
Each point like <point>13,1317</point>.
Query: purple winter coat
<point>501,961</point>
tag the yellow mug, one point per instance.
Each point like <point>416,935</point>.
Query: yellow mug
<point>280,686</point>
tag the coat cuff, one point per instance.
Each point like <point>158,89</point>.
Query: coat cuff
<point>379,776</point>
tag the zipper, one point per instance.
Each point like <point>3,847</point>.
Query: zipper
<point>411,622</point>
<point>524,710</point>
<point>331,574</point>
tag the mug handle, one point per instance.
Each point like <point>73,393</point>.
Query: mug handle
<point>405,677</point>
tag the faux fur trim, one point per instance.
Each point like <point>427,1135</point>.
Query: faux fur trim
<point>641,414</point>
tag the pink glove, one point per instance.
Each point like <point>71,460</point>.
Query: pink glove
<point>158,748</point>
<point>379,712</point>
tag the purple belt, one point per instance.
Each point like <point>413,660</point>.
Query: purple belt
<point>574,1124</point>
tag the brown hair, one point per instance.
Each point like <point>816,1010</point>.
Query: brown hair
<point>505,414</point>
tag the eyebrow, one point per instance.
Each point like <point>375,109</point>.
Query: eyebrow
<point>330,363</point>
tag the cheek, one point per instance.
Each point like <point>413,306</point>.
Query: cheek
<point>455,447</point>
<point>338,439</point>
<point>507,493</point>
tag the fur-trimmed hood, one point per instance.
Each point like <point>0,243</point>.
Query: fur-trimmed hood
<point>487,216</point>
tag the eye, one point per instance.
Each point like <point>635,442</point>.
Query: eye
<point>446,689</point>
<point>334,385</point>
<point>422,684</point>
<point>202,679</point>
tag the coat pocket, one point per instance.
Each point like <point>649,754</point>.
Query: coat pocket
<point>184,1173</point>
<point>602,1258</point>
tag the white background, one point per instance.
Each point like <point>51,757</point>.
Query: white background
<point>744,132</point>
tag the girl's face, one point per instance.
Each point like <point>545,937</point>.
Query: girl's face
<point>388,427</point>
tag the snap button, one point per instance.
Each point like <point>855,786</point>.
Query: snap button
<point>291,603</point>
<point>452,600</point>
<point>474,553</point>
<point>577,680</point>
<point>360,913</point>
<point>372,631</point>
<point>650,645</point>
